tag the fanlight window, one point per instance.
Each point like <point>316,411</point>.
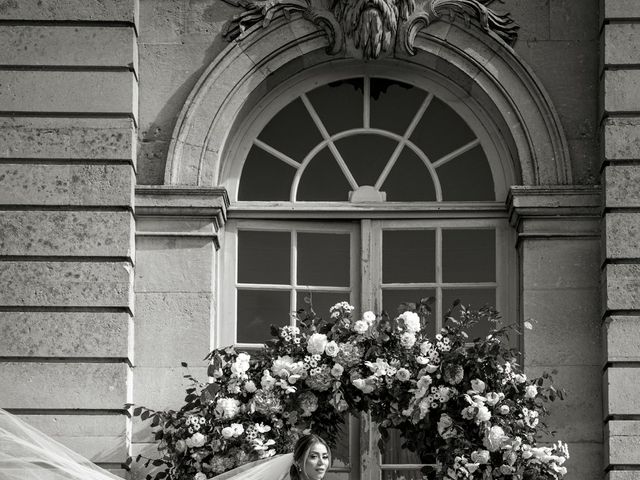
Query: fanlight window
<point>367,139</point>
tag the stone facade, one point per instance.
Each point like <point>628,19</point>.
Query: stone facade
<point>108,250</point>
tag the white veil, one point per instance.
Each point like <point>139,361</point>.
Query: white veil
<point>28,454</point>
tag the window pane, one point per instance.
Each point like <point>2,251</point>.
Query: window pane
<point>409,180</point>
<point>260,166</point>
<point>320,301</point>
<point>264,257</point>
<point>340,454</point>
<point>339,104</point>
<point>408,256</point>
<point>473,299</point>
<point>392,298</point>
<point>366,156</point>
<point>394,453</point>
<point>323,180</point>
<point>441,131</point>
<point>469,255</point>
<point>257,311</point>
<point>467,177</point>
<point>292,131</point>
<point>394,104</point>
<point>323,259</point>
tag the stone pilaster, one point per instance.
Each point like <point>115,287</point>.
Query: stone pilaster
<point>558,243</point>
<point>620,101</point>
<point>68,121</point>
<point>177,240</point>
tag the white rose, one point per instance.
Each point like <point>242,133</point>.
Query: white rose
<point>316,343</point>
<point>494,438</point>
<point>444,423</point>
<point>237,428</point>
<point>199,476</point>
<point>424,382</point>
<point>480,456</point>
<point>360,326</point>
<point>492,398</point>
<point>337,370</point>
<point>504,409</point>
<point>331,349</point>
<point>472,467</point>
<point>403,374</point>
<point>250,387</point>
<point>478,385</point>
<point>411,321</point>
<point>531,391</point>
<point>196,440</point>
<point>227,432</point>
<point>483,414</point>
<point>369,317</point>
<point>408,339</point>
<point>520,378</point>
<point>227,407</point>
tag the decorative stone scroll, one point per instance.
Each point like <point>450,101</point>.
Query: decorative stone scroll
<point>372,26</point>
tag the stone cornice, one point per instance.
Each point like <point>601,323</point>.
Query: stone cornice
<point>555,210</point>
<point>178,201</point>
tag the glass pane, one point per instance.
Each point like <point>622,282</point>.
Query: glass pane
<point>394,453</point>
<point>323,259</point>
<point>257,311</point>
<point>340,453</point>
<point>320,301</point>
<point>264,257</point>
<point>473,299</point>
<point>323,180</point>
<point>408,256</point>
<point>467,177</point>
<point>469,255</point>
<point>292,131</point>
<point>402,474</point>
<point>392,298</point>
<point>394,104</point>
<point>409,180</point>
<point>366,156</point>
<point>339,104</point>
<point>260,165</point>
<point>441,131</point>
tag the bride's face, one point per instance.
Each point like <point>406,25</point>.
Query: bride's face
<point>317,462</point>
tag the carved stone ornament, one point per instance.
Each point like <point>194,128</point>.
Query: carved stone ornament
<point>374,26</point>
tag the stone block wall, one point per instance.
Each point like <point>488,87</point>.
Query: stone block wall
<point>68,134</point>
<point>620,123</point>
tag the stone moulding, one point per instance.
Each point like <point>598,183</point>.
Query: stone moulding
<point>371,26</point>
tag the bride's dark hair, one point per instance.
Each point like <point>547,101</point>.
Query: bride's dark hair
<point>301,452</point>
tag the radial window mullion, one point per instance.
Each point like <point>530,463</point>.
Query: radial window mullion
<point>330,144</point>
<point>366,102</point>
<point>276,153</point>
<point>456,153</point>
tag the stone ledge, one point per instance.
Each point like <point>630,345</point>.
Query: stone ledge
<point>169,200</point>
<point>557,202</point>
<point>79,10</point>
<point>621,9</point>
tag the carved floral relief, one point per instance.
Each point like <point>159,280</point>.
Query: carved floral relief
<point>373,26</point>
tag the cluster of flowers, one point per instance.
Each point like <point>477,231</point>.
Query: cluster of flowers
<point>466,402</point>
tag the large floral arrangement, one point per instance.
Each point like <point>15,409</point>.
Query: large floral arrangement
<point>464,401</point>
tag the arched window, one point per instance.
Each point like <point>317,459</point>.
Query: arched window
<point>374,185</point>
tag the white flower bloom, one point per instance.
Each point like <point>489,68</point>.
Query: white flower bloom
<point>504,409</point>
<point>360,326</point>
<point>480,456</point>
<point>478,385</point>
<point>196,440</point>
<point>316,343</point>
<point>422,360</point>
<point>237,429</point>
<point>227,407</point>
<point>425,347</point>
<point>483,414</point>
<point>369,317</point>
<point>408,339</point>
<point>494,438</point>
<point>337,370</point>
<point>531,391</point>
<point>520,377</point>
<point>403,374</point>
<point>411,321</point>
<point>227,432</point>
<point>199,476</point>
<point>492,398</point>
<point>250,386</point>
<point>331,349</point>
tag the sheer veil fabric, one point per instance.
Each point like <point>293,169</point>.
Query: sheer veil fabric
<point>28,454</point>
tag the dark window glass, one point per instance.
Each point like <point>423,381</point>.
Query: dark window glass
<point>394,104</point>
<point>409,180</point>
<point>408,256</point>
<point>339,104</point>
<point>264,257</point>
<point>441,131</point>
<point>292,131</point>
<point>467,177</point>
<point>257,311</point>
<point>321,302</point>
<point>468,255</point>
<point>264,177</point>
<point>366,156</point>
<point>323,259</point>
<point>323,180</point>
<point>473,299</point>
